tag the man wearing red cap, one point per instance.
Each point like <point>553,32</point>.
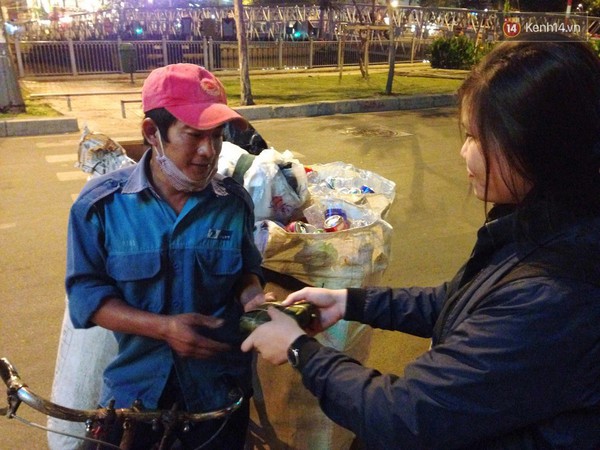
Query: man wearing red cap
<point>162,253</point>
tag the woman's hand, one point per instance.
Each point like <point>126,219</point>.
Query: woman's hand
<point>273,338</point>
<point>331,304</point>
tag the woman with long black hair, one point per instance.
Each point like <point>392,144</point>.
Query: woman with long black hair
<point>515,355</point>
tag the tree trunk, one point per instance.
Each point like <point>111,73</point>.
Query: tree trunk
<point>240,25</point>
<point>391,50</point>
<point>364,36</point>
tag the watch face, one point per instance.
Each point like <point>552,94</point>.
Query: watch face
<point>293,355</point>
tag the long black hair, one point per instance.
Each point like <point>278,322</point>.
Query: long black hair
<point>538,104</point>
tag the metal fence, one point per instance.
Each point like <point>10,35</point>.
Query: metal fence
<point>52,58</point>
<point>413,31</point>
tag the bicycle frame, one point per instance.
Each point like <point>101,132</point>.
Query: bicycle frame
<point>18,392</point>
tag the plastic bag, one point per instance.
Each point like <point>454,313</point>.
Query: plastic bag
<point>82,356</point>
<point>351,184</point>
<point>98,154</point>
<point>275,181</point>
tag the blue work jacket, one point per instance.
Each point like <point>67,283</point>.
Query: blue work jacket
<point>124,241</point>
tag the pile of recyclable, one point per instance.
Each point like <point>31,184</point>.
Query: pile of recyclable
<point>343,197</point>
<point>322,224</point>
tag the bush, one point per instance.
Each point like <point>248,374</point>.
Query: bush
<point>595,44</point>
<point>457,52</point>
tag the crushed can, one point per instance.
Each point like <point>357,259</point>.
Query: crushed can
<point>300,227</point>
<point>335,222</point>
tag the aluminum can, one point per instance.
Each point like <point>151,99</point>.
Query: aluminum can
<point>334,211</point>
<point>300,227</point>
<point>335,223</point>
<point>292,227</point>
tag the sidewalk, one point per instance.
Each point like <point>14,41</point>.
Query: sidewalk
<point>103,110</point>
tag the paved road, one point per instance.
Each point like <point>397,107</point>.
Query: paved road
<point>433,216</point>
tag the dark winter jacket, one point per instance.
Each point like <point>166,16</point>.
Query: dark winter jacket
<point>515,357</point>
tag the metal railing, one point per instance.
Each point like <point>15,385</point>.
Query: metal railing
<point>270,23</point>
<point>359,36</point>
<point>52,58</point>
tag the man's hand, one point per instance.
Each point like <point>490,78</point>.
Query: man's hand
<point>180,331</point>
<point>182,334</point>
<point>273,338</point>
<point>258,300</point>
<point>251,294</point>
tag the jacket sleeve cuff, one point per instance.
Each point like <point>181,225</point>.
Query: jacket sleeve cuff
<point>355,304</point>
<point>307,347</point>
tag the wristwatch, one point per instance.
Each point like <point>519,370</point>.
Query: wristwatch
<point>293,352</point>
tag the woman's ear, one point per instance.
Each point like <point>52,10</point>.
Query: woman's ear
<point>149,130</point>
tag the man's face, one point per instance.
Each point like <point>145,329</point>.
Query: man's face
<point>195,152</point>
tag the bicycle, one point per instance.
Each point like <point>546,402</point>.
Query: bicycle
<point>99,421</point>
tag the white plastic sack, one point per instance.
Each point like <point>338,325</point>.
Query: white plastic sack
<point>82,356</point>
<point>275,181</point>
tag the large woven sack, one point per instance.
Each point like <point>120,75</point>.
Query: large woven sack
<point>284,415</point>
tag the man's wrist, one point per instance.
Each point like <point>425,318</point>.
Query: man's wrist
<point>301,350</point>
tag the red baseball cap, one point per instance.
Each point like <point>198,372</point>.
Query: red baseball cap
<point>192,94</point>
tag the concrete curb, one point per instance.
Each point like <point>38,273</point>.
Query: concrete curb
<point>346,107</point>
<point>45,126</point>
<point>37,127</point>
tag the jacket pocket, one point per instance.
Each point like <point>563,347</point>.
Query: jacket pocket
<point>220,269</point>
<point>133,267</point>
<point>137,276</point>
<point>219,262</point>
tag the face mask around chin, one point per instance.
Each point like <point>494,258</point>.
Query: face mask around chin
<point>179,180</point>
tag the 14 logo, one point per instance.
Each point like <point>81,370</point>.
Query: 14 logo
<point>511,29</point>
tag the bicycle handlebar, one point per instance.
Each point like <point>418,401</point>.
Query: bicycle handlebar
<point>19,392</point>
